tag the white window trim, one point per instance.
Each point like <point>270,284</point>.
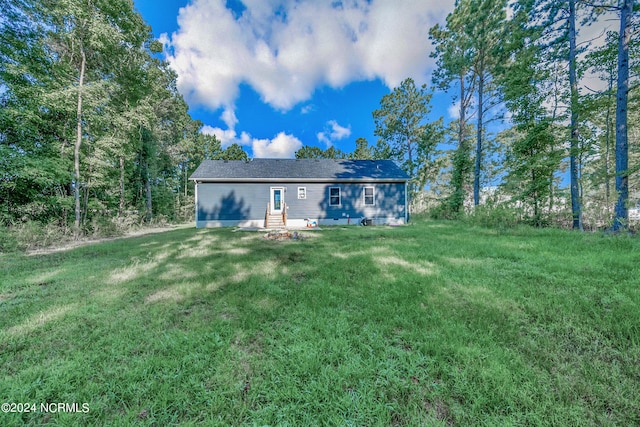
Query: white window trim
<point>303,193</point>
<point>373,195</point>
<point>339,196</point>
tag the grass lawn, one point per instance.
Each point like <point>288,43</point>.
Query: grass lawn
<point>435,323</point>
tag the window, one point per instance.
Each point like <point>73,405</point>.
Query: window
<point>369,196</point>
<point>334,196</point>
<point>302,192</point>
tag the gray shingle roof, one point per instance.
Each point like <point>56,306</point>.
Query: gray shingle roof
<point>293,170</point>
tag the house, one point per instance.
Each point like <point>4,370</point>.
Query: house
<point>276,193</point>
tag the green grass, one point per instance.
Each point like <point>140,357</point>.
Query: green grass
<point>434,323</point>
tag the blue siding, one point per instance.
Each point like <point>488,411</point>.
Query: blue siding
<point>232,201</point>
<point>248,201</point>
<point>389,201</point>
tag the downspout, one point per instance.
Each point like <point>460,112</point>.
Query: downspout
<point>196,203</point>
<point>406,202</point>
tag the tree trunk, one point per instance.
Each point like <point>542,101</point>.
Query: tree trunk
<point>76,152</point>
<point>121,184</point>
<point>186,178</point>
<point>463,119</point>
<point>147,188</point>
<point>476,175</point>
<point>621,219</point>
<point>576,210</point>
<point>607,157</point>
<point>459,171</point>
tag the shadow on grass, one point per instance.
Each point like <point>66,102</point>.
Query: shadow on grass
<point>359,326</point>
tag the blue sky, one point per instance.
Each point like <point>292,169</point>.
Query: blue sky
<point>274,75</point>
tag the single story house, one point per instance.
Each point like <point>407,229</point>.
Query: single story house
<point>276,193</point>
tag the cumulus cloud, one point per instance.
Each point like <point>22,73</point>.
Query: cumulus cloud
<point>229,118</point>
<point>333,132</point>
<point>227,136</point>
<point>339,132</point>
<point>282,146</point>
<point>454,110</point>
<point>284,49</point>
<point>306,109</point>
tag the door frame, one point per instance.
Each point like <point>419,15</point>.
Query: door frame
<point>272,192</point>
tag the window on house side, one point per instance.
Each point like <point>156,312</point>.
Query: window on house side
<point>302,192</point>
<point>334,196</point>
<point>369,196</point>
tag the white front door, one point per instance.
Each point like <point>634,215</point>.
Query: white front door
<point>277,200</point>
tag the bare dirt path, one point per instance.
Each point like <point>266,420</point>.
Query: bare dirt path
<point>65,246</point>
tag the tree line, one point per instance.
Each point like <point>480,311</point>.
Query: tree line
<point>95,137</point>
<point>524,120</point>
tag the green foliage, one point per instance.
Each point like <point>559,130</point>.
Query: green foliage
<point>313,152</point>
<point>468,51</point>
<point>382,150</point>
<point>132,119</point>
<point>401,123</point>
<point>234,152</point>
<point>8,242</point>
<point>362,151</point>
<point>32,235</point>
<point>497,217</point>
<point>462,167</point>
<point>534,156</point>
<point>532,162</point>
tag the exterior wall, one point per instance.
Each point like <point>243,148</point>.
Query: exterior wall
<point>245,204</point>
<point>228,204</point>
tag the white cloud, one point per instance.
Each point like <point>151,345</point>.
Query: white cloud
<point>454,110</point>
<point>333,132</point>
<point>339,132</point>
<point>229,118</point>
<point>306,109</point>
<point>322,137</point>
<point>227,136</point>
<point>284,49</point>
<point>282,146</point>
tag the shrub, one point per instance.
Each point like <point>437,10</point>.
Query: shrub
<point>128,221</point>
<point>102,226</point>
<point>443,211</point>
<point>498,217</point>
<point>32,235</point>
<point>8,242</point>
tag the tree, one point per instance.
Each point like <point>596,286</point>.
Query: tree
<point>468,51</point>
<point>454,59</point>
<point>90,120</point>
<point>557,35</point>
<point>462,167</point>
<point>382,150</point>
<point>622,94</point>
<point>362,151</point>
<point>313,152</point>
<point>32,168</point>
<point>401,122</point>
<point>576,204</point>
<point>234,152</point>
<point>485,28</point>
<point>600,110</point>
<point>533,158</point>
<point>100,44</point>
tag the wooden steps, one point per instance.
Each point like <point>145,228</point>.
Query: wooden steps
<point>275,222</point>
